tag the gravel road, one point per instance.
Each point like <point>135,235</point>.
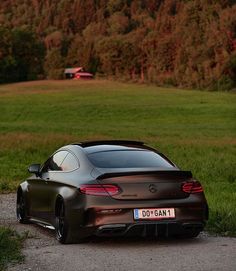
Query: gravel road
<point>44,253</point>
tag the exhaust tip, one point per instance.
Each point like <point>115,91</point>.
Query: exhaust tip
<point>113,229</point>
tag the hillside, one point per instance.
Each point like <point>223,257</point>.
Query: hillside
<point>172,42</point>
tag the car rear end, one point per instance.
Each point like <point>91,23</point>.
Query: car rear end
<point>136,190</point>
<point>157,203</point>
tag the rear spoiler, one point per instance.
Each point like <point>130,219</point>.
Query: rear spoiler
<point>109,142</point>
<point>174,173</point>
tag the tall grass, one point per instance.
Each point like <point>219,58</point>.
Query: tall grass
<point>197,130</point>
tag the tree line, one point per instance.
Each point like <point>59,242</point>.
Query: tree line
<point>185,43</point>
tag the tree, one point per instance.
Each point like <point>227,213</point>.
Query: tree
<point>21,55</point>
<point>28,53</point>
<point>183,42</point>
<point>54,64</point>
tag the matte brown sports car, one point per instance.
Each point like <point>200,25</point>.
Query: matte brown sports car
<point>112,188</point>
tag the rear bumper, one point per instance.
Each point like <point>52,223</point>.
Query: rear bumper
<point>164,229</point>
<point>97,217</point>
<point>187,220</point>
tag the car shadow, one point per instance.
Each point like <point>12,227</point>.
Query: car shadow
<point>146,241</point>
<point>128,241</point>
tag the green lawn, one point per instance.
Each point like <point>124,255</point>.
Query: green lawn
<point>196,129</point>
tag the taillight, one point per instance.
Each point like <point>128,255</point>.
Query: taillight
<point>192,187</point>
<point>99,190</point>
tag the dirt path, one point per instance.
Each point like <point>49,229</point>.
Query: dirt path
<point>44,253</point>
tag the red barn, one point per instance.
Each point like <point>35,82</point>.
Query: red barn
<point>77,73</point>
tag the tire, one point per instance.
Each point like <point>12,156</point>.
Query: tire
<point>21,209</point>
<point>190,234</point>
<point>64,233</point>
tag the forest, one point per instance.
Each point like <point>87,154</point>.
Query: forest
<point>182,43</point>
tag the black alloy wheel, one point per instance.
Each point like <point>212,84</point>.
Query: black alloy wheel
<point>192,234</point>
<point>64,232</point>
<point>60,222</point>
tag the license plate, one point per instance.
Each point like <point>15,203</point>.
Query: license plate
<point>154,213</point>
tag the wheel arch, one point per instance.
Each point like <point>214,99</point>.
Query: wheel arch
<point>21,190</point>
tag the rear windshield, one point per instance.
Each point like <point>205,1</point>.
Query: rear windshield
<point>127,159</point>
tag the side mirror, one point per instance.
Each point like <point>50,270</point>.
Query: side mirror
<point>34,168</point>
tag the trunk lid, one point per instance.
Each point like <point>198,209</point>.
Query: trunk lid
<point>147,185</point>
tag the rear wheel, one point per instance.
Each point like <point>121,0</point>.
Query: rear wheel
<point>61,225</point>
<point>64,232</point>
<point>21,208</point>
<point>190,234</point>
<point>193,234</point>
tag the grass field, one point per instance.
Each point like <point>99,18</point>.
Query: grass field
<point>197,130</point>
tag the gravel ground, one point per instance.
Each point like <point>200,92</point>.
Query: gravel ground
<point>43,252</point>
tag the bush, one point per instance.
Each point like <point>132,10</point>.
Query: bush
<point>54,64</point>
<point>55,74</point>
<point>225,83</point>
<point>10,245</point>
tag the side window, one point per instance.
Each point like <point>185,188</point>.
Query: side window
<point>70,163</point>
<point>54,162</point>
